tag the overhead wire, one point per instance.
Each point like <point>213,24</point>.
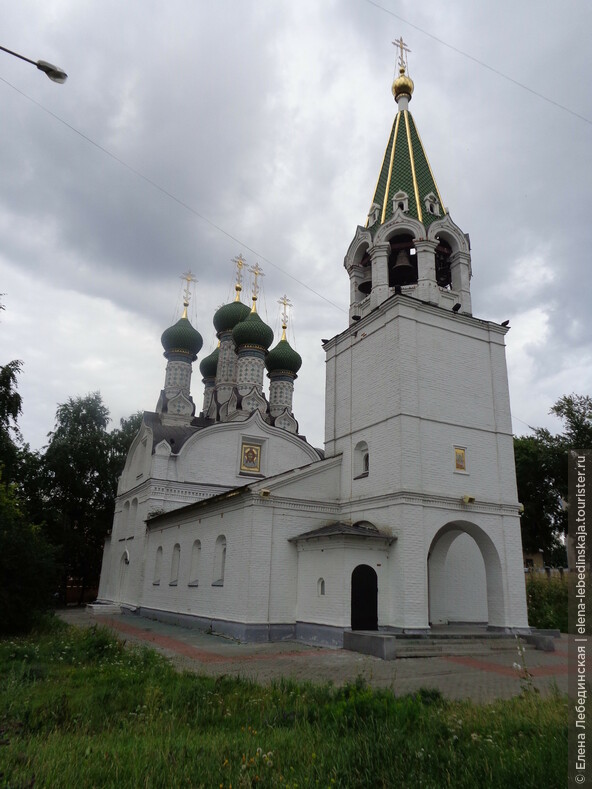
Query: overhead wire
<point>480,62</point>
<point>229,235</point>
<point>169,194</point>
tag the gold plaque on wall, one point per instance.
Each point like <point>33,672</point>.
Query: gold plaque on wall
<point>251,458</point>
<point>460,460</point>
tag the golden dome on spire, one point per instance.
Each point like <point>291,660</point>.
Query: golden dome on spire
<point>402,85</point>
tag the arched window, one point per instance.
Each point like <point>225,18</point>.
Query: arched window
<point>361,465</point>
<point>321,587</point>
<point>175,565</point>
<point>374,214</point>
<point>195,559</point>
<point>125,514</point>
<point>133,513</point>
<point>432,204</point>
<point>401,200</point>
<point>219,561</point>
<point>157,566</point>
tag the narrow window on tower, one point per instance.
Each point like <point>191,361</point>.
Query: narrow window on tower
<point>401,201</point>
<point>361,460</point>
<point>374,214</point>
<point>432,204</point>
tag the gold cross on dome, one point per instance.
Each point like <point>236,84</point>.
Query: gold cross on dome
<point>189,278</point>
<point>403,50</point>
<point>256,271</point>
<point>239,262</point>
<point>285,302</point>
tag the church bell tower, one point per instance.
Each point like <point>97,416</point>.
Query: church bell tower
<point>417,400</point>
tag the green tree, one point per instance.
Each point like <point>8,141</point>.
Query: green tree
<point>28,571</point>
<point>541,521</point>
<point>79,486</point>
<point>74,484</point>
<point>576,413</point>
<point>541,473</point>
<point>121,440</point>
<point>10,410</point>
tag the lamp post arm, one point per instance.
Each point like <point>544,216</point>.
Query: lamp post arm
<point>16,54</point>
<point>55,73</point>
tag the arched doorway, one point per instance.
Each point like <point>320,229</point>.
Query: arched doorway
<point>465,583</point>
<point>364,598</point>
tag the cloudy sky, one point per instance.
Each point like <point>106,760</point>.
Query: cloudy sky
<point>190,131</point>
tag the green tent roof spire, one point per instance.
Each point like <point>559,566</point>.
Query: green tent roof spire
<point>405,179</point>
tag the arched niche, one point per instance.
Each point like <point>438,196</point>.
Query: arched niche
<point>465,576</point>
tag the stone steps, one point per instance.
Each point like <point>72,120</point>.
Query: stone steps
<point>390,646</point>
<point>104,608</point>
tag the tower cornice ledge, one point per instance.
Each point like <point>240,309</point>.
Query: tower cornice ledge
<point>433,501</point>
<point>424,307</point>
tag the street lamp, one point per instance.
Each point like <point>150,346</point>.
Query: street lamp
<point>53,72</point>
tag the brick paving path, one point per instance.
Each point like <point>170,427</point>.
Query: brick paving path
<point>483,676</point>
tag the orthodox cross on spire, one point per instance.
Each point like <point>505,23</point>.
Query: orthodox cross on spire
<point>189,278</point>
<point>256,271</point>
<point>285,302</point>
<point>403,50</point>
<point>240,263</point>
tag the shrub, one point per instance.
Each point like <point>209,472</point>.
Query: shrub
<point>547,601</point>
<point>27,568</point>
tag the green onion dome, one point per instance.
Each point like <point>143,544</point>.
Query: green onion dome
<point>252,331</point>
<point>283,357</point>
<point>209,365</point>
<point>182,338</point>
<point>226,318</point>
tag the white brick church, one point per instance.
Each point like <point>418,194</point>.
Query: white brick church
<point>230,520</point>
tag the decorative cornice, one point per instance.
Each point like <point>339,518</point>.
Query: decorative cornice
<point>423,307</point>
<point>452,503</point>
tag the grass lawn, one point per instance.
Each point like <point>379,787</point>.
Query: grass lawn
<point>80,709</point>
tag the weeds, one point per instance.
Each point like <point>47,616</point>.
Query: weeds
<point>547,600</point>
<point>77,708</point>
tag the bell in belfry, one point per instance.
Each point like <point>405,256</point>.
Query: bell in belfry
<point>403,272</point>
